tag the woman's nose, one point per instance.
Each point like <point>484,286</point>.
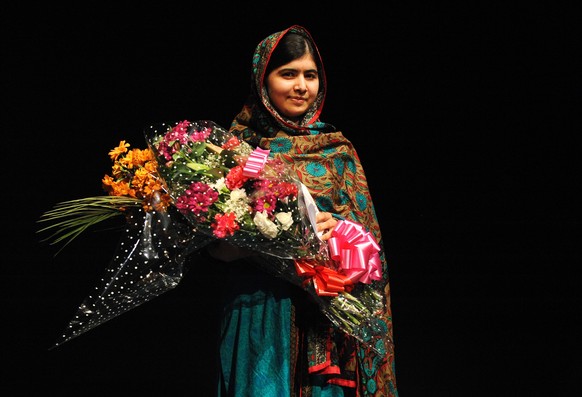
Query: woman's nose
<point>300,85</point>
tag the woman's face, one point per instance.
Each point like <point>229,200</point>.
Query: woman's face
<point>293,87</point>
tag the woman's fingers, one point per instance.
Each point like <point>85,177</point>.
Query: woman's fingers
<point>325,223</point>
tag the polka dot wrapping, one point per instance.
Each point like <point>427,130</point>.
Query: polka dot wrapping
<point>193,175</point>
<point>149,260</point>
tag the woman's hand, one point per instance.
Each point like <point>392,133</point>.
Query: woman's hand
<point>325,223</point>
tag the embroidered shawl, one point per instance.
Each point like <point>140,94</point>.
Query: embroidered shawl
<point>328,164</point>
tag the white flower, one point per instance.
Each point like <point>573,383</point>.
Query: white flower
<point>218,185</point>
<point>237,203</point>
<point>238,195</point>
<point>285,219</point>
<point>265,225</point>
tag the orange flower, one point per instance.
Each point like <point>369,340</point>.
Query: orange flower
<point>119,150</point>
<point>134,174</point>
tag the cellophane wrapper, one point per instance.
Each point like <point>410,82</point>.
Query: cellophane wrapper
<point>148,261</point>
<point>270,213</point>
<point>356,311</point>
<point>203,167</point>
<point>187,154</point>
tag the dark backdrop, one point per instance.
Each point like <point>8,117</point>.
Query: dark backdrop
<point>464,118</point>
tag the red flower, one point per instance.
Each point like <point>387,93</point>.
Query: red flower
<point>235,178</point>
<point>284,189</point>
<point>225,225</point>
<point>231,143</point>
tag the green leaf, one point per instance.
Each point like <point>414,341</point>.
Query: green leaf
<point>197,166</point>
<point>68,219</point>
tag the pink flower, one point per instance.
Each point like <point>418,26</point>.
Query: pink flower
<point>197,198</point>
<point>200,136</point>
<point>174,140</point>
<point>266,203</point>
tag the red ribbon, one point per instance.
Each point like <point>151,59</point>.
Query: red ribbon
<point>357,251</point>
<point>256,162</point>
<point>327,282</point>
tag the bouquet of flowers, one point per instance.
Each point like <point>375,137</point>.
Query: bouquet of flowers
<point>144,265</point>
<point>197,183</point>
<point>230,191</point>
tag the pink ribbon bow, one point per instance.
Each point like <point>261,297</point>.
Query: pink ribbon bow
<point>357,251</point>
<point>256,162</point>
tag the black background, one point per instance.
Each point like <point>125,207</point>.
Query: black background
<point>464,118</point>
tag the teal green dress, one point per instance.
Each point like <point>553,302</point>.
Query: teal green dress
<point>255,334</point>
<point>255,350</point>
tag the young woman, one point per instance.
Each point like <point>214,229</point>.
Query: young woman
<point>274,340</point>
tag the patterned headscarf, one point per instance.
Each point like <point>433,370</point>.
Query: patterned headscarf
<point>327,163</point>
<point>266,121</point>
<point>324,159</point>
